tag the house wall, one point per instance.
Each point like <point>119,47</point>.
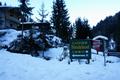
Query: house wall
<point>1,19</point>
<point>10,19</point>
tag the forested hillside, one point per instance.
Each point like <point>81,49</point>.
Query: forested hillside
<point>109,27</point>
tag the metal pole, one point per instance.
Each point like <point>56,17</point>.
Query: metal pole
<point>22,32</point>
<point>104,52</point>
<point>5,19</point>
<point>22,23</point>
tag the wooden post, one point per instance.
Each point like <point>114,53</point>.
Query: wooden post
<point>105,51</point>
<point>22,23</point>
<point>22,31</point>
<point>97,52</point>
<point>5,18</point>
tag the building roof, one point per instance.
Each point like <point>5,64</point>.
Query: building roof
<point>29,25</point>
<point>9,7</point>
<point>100,37</point>
<point>35,23</point>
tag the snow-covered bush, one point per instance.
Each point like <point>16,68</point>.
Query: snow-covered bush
<point>3,46</point>
<point>53,40</point>
<point>9,36</point>
<point>32,41</point>
<point>25,45</point>
<point>30,44</point>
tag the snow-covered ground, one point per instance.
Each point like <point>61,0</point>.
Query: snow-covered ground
<point>15,66</point>
<point>25,67</point>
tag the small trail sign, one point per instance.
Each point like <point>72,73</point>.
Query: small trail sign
<point>80,49</point>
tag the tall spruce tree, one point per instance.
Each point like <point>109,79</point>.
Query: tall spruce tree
<point>25,10</point>
<point>82,29</point>
<point>60,19</point>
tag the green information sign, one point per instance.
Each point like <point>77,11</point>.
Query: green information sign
<point>80,49</point>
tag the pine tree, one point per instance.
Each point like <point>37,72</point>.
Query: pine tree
<point>60,19</point>
<point>42,13</point>
<point>25,10</point>
<point>82,29</point>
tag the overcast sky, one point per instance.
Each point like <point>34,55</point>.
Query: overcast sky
<point>93,10</point>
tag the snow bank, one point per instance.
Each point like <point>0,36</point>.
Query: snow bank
<point>54,52</point>
<point>10,35</point>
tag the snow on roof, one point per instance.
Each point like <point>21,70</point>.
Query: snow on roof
<point>101,37</point>
<point>8,7</point>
